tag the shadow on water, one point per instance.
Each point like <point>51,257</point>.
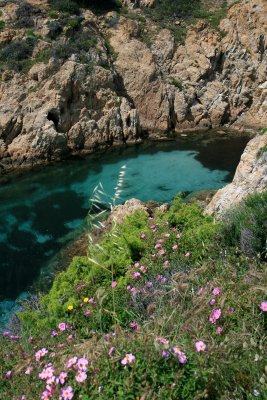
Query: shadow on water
<point>40,210</point>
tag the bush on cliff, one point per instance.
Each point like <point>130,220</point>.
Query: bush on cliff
<point>246,226</point>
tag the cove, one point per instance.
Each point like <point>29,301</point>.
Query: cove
<point>41,208</point>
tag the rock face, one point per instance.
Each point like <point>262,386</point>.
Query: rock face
<point>140,87</point>
<point>207,82</point>
<point>250,177</point>
<point>119,212</point>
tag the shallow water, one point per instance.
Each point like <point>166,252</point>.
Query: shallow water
<point>39,209</point>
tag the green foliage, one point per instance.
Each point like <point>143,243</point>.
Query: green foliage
<point>30,33</point>
<point>246,226</point>
<point>177,84</point>
<point>17,54</point>
<point>2,25</point>
<point>262,131</point>
<point>175,8</point>
<point>179,33</point>
<point>69,7</point>
<point>262,151</point>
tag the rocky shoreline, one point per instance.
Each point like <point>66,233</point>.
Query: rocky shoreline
<point>125,88</point>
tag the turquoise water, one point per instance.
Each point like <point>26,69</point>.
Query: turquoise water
<point>39,209</point>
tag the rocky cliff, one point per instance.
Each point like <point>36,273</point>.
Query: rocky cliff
<point>250,177</point>
<point>74,84</point>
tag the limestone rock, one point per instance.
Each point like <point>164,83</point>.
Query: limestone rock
<point>119,212</point>
<point>250,177</point>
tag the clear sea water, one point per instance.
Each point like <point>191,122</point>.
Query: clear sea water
<point>40,208</point>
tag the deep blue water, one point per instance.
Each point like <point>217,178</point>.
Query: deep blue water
<point>39,209</point>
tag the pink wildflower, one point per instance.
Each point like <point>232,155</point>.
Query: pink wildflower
<point>175,247</point>
<point>216,313</point>
<point>8,374</point>
<point>61,378</point>
<point>160,241</point>
<point>182,358</point>
<point>149,284</point>
<point>113,284</point>
<point>216,291</point>
<point>54,333</point>
<point>178,235</point>
<point>128,359</point>
<point>136,274</point>
<point>14,337</point>
<point>219,330</point>
<point>177,350</point>
<point>6,333</point>
<point>81,376</point>
<point>50,381</point>
<point>165,353</point>
<point>187,254</point>
<point>173,228</point>
<point>167,235</point>
<point>263,306</point>
<point>134,325</point>
<point>46,395</point>
<point>29,370</point>
<point>161,279</point>
<point>111,350</point>
<point>153,226</point>
<point>46,373</point>
<point>67,393</point>
<point>136,265</point>
<point>212,302</point>
<point>87,313</point>
<point>82,364</point>
<point>40,353</point>
<point>71,362</point>
<point>143,269</point>
<point>157,246</point>
<point>166,264</point>
<point>162,252</point>
<point>200,346</point>
<point>142,236</point>
<point>62,326</point>
<point>162,340</point>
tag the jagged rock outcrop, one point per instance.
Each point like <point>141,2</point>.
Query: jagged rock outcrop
<point>250,177</point>
<point>138,3</point>
<point>143,84</point>
<point>44,116</point>
<point>207,82</point>
<point>120,212</point>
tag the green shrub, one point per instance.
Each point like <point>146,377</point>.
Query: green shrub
<point>55,29</point>
<point>24,15</point>
<point>17,54</point>
<point>246,226</point>
<point>262,131</point>
<point>262,151</point>
<point>69,7</point>
<point>177,84</point>
<point>2,25</point>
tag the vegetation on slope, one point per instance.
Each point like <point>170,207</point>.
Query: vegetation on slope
<point>68,33</point>
<point>168,306</point>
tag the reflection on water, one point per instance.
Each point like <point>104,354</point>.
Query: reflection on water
<point>39,209</point>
